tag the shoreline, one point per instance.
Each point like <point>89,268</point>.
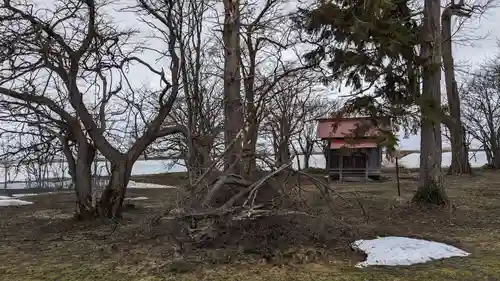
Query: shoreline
<point>58,184</point>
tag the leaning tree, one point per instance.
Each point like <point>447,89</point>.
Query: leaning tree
<point>34,134</point>
<point>462,11</point>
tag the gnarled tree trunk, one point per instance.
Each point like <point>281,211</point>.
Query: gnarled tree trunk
<point>198,157</point>
<point>430,188</point>
<point>250,149</point>
<point>83,180</point>
<point>80,170</point>
<point>112,198</point>
<point>459,155</point>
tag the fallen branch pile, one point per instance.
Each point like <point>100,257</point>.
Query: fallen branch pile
<point>236,211</point>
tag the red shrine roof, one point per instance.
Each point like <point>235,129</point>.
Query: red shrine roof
<point>341,130</point>
<point>338,144</point>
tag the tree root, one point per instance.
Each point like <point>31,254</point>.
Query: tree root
<point>431,194</point>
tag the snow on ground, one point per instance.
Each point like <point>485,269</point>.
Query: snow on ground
<point>133,184</point>
<point>13,202</point>
<point>5,197</point>
<point>394,251</point>
<point>24,195</point>
<point>36,194</point>
<point>137,198</point>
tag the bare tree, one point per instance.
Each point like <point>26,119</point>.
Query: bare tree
<point>269,56</point>
<point>286,112</point>
<point>306,140</point>
<point>38,136</point>
<point>198,110</point>
<point>32,159</point>
<point>275,93</point>
<point>481,109</point>
<point>72,44</point>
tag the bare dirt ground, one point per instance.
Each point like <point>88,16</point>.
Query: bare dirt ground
<point>42,242</point>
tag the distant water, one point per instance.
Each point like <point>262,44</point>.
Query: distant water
<point>477,159</point>
<point>142,167</point>
<point>20,178</point>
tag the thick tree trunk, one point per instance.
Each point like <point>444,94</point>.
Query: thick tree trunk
<point>307,156</point>
<point>249,150</point>
<point>252,118</point>
<point>83,180</point>
<point>459,154</point>
<point>489,156</point>
<point>233,109</point>
<point>282,151</point>
<point>494,149</point>
<point>283,156</point>
<point>496,159</point>
<point>308,151</point>
<point>492,157</point>
<point>198,158</point>
<point>111,202</point>
<point>282,142</point>
<point>430,190</point>
<point>80,170</point>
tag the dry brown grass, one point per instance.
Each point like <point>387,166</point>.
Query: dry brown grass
<point>37,242</point>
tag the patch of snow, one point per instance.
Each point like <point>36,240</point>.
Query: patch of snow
<point>137,198</point>
<point>24,195</point>
<point>133,184</point>
<point>5,198</point>
<point>13,202</point>
<point>36,194</point>
<point>393,251</point>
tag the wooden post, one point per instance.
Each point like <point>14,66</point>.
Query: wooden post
<point>366,166</point>
<point>341,165</point>
<point>5,171</point>
<point>328,167</point>
<point>328,164</point>
<point>397,176</point>
<point>39,176</point>
<point>29,176</point>
<point>327,156</point>
<point>61,180</point>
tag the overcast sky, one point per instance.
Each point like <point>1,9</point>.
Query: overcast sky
<point>475,42</point>
<point>487,28</point>
<point>470,56</point>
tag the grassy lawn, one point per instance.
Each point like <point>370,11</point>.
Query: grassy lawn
<point>40,242</point>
